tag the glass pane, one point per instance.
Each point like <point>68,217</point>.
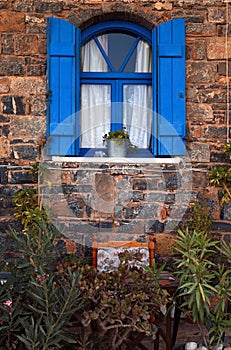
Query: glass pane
<point>116,47</point>
<point>95,117</point>
<point>137,113</point>
<point>119,46</point>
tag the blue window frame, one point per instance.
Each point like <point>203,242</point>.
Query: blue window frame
<point>167,78</point>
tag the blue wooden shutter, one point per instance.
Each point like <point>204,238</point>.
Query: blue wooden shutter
<point>169,88</point>
<point>63,50</point>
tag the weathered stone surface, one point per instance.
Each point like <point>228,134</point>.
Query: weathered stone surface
<point>4,148</point>
<point>26,44</point>
<point>217,48</point>
<point>205,29</point>
<point>199,50</point>
<point>28,127</point>
<point>20,177</point>
<point>222,68</point>
<point>26,152</point>
<point>226,211</point>
<point>13,105</point>
<point>3,175</point>
<point>216,15</point>
<point>53,7</point>
<point>201,72</point>
<point>200,152</point>
<point>200,112</point>
<point>11,22</point>
<point>27,86</point>
<point>12,66</point>
<point>7,44</point>
<point>4,85</point>
<point>215,133</point>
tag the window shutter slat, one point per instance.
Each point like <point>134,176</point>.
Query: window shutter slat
<point>62,49</point>
<point>169,41</point>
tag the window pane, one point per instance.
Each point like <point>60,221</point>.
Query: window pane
<point>119,46</point>
<point>137,113</point>
<point>95,118</point>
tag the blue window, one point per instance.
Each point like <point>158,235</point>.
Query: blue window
<point>111,75</point>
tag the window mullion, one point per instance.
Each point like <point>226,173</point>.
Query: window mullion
<point>116,109</point>
<point>127,58</point>
<point>104,54</point>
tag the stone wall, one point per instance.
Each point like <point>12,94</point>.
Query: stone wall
<point>23,116</point>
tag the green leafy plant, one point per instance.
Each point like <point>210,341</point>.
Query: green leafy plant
<point>204,287</point>
<point>221,176</point>
<point>28,204</point>
<point>36,303</point>
<point>118,303</point>
<point>119,136</point>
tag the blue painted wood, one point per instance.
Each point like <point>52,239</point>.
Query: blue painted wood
<point>116,26</point>
<point>62,46</point>
<point>111,75</point>
<point>169,42</point>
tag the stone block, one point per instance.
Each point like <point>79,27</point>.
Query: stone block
<point>27,86</point>
<point>215,133</point>
<point>20,177</point>
<point>12,22</point>
<point>216,15</point>
<point>221,226</point>
<point>53,7</point>
<point>13,105</point>
<point>201,72</point>
<point>12,66</point>
<point>7,44</point>
<point>205,29</point>
<point>27,152</point>
<point>226,212</point>
<point>8,191</point>
<point>200,112</point>
<point>140,184</point>
<point>4,85</point>
<point>4,130</point>
<point>199,152</point>
<point>155,226</point>
<point>199,50</point>
<point>222,67</point>
<point>4,148</point>
<point>77,206</point>
<point>217,49</point>
<point>26,44</point>
<point>28,127</point>
<point>3,175</point>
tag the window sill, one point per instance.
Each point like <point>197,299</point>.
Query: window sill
<point>141,156</point>
<point>127,160</point>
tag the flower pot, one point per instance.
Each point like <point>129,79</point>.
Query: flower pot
<point>117,148</point>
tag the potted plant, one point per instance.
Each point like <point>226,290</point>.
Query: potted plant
<point>204,271</point>
<point>118,143</point>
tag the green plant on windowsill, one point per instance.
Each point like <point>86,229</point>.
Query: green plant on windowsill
<point>119,136</point>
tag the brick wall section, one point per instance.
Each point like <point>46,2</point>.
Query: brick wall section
<point>23,111</point>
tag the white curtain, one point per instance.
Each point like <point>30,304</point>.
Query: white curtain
<point>95,116</point>
<point>137,108</point>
